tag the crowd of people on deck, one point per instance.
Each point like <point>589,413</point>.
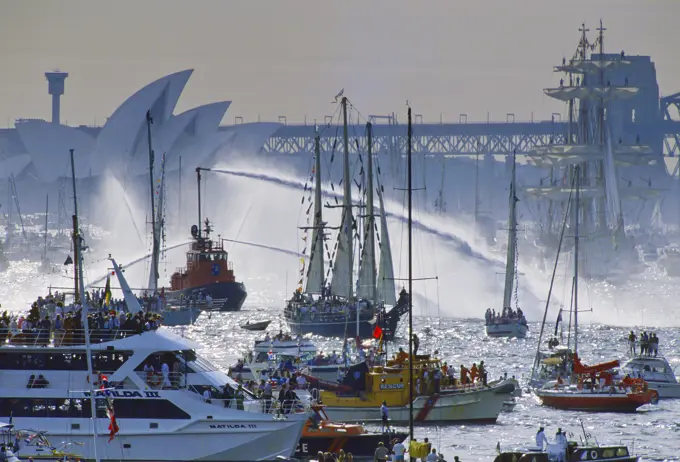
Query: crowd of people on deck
<point>508,316</point>
<point>51,319</point>
<point>328,306</point>
<point>432,378</point>
<point>649,344</point>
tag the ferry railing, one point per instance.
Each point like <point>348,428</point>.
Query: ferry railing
<point>320,316</point>
<point>62,337</point>
<point>158,381</point>
<point>203,305</point>
<point>262,405</point>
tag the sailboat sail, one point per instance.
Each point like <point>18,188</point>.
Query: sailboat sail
<point>366,287</point>
<point>315,271</point>
<point>512,242</point>
<point>343,267</point>
<point>387,291</point>
<point>341,285</point>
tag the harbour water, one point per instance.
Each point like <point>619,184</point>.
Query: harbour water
<point>653,432</point>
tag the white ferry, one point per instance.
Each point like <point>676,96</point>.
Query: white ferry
<point>161,416</point>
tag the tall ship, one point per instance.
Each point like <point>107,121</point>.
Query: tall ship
<point>595,88</point>
<point>341,306</point>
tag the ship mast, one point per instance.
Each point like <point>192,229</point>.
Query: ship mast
<point>410,281</point>
<point>47,208</point>
<point>80,285</point>
<point>347,190</point>
<point>576,239</point>
<point>154,255</point>
<point>511,261</point>
<point>76,235</point>
<point>315,272</point>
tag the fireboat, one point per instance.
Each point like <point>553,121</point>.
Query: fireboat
<point>208,280</point>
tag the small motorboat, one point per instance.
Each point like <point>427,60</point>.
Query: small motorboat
<point>256,326</point>
<point>321,435</point>
<point>575,452</point>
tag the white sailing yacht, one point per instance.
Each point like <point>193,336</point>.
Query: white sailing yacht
<point>509,323</point>
<point>343,307</point>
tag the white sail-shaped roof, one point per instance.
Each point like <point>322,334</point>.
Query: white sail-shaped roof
<point>123,131</point>
<point>49,144</point>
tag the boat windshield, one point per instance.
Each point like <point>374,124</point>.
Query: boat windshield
<point>649,365</point>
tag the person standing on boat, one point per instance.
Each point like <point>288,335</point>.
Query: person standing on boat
<point>416,344</point>
<point>398,449</point>
<point>384,413</point>
<point>631,343</point>
<point>381,453</point>
<point>541,440</point>
<point>481,370</point>
<point>561,442</point>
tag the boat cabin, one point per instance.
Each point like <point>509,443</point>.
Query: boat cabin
<point>207,263</point>
<point>371,386</point>
<point>650,369</point>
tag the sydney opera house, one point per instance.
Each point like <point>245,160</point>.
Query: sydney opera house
<point>38,150</point>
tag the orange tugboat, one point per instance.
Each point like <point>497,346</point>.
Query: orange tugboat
<point>321,435</point>
<point>208,280</point>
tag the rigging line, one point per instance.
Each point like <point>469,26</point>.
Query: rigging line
<point>552,279</point>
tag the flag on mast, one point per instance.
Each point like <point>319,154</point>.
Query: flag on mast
<point>107,291</point>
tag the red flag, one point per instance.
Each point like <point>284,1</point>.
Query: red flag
<point>377,332</point>
<point>113,425</point>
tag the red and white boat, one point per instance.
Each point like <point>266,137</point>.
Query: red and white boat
<point>590,388</point>
<point>593,389</point>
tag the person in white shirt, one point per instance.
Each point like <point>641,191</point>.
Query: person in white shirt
<point>165,369</point>
<point>398,449</point>
<point>561,440</point>
<point>301,382</point>
<point>207,396</point>
<point>541,439</point>
<point>432,457</point>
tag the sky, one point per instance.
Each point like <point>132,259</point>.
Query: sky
<point>289,58</point>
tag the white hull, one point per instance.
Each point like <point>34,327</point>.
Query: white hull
<point>481,406</point>
<point>515,330</point>
<point>666,390</point>
<point>180,317</point>
<point>208,440</point>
